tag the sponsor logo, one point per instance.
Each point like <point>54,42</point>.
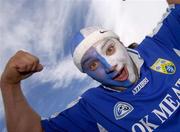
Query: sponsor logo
<point>141,85</point>
<point>122,109</point>
<point>164,66</point>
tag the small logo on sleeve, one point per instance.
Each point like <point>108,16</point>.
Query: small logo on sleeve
<point>164,66</point>
<point>122,109</point>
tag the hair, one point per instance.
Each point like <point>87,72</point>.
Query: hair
<point>133,45</point>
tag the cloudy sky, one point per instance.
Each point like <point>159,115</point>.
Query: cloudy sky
<point>45,28</point>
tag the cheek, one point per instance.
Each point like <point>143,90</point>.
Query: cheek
<point>117,58</point>
<point>98,74</point>
<point>121,55</point>
<point>121,51</point>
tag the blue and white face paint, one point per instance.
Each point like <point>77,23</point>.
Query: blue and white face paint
<point>108,62</point>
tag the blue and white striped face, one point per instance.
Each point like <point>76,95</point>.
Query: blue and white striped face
<point>109,63</point>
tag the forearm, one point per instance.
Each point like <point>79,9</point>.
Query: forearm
<point>173,2</point>
<point>20,117</point>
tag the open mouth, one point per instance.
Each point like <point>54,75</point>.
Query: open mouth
<point>122,75</point>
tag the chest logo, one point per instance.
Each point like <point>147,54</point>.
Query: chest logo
<point>164,66</point>
<point>122,109</point>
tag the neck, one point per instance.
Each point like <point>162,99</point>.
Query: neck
<point>138,61</point>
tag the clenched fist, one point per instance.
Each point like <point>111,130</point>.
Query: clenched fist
<point>19,67</point>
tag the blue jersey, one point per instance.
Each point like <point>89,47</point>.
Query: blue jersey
<point>151,104</point>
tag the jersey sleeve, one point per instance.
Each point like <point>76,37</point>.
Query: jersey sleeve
<point>168,30</point>
<point>74,119</point>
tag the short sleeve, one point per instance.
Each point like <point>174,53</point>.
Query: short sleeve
<point>74,119</point>
<point>168,30</point>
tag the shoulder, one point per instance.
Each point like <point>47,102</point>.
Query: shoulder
<point>91,92</point>
<point>81,100</point>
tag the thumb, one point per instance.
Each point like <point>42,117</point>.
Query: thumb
<point>39,68</point>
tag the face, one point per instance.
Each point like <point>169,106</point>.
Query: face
<point>109,63</point>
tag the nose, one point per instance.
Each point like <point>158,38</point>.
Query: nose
<point>111,69</point>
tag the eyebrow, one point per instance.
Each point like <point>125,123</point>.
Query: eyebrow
<point>86,60</point>
<point>105,43</point>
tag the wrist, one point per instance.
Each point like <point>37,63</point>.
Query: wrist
<point>11,92</point>
<point>5,84</point>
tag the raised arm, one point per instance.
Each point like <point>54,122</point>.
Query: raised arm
<point>20,117</point>
<point>173,2</point>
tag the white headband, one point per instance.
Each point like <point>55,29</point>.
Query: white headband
<point>88,41</point>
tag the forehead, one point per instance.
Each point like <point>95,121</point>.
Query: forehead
<point>94,51</point>
<point>96,48</point>
<point>102,43</point>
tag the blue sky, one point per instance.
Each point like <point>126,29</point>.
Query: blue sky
<point>45,28</point>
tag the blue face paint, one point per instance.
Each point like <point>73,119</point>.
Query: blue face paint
<point>103,72</point>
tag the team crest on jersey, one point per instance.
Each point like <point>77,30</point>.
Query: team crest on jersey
<point>164,66</point>
<point>122,109</point>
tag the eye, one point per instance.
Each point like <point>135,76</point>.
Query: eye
<point>93,65</point>
<point>110,50</point>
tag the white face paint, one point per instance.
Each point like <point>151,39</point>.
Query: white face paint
<point>116,55</point>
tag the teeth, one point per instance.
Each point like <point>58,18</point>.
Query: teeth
<point>122,75</point>
<point>119,73</point>
<point>121,70</point>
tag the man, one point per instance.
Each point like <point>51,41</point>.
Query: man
<point>140,88</point>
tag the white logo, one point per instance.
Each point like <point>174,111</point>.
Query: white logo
<point>141,85</point>
<point>122,109</point>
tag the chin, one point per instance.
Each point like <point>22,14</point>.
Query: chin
<point>133,78</point>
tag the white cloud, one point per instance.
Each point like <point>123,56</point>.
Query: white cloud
<point>62,74</point>
<point>130,19</point>
<point>41,32</point>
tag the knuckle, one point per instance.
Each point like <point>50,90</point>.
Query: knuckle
<point>25,57</point>
<point>20,52</point>
<point>36,59</point>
